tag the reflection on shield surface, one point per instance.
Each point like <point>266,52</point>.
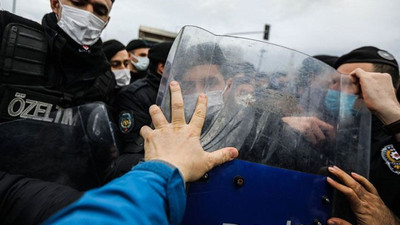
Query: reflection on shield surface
<point>278,107</point>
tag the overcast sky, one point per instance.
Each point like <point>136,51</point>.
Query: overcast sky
<point>311,26</point>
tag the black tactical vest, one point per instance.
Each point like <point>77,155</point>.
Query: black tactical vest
<point>23,53</point>
<point>39,137</point>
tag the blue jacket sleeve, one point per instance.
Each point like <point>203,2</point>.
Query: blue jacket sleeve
<point>151,193</point>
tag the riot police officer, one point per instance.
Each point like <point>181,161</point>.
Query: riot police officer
<point>132,103</point>
<point>139,55</point>
<point>384,168</point>
<point>44,68</point>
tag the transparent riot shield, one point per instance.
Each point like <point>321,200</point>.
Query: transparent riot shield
<point>72,146</point>
<point>289,115</point>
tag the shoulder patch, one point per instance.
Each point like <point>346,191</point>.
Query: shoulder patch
<point>391,158</point>
<point>125,122</point>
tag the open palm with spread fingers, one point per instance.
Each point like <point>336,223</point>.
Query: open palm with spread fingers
<point>178,142</point>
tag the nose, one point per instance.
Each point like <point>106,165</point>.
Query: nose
<point>121,67</point>
<point>89,7</point>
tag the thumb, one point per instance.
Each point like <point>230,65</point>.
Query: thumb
<point>221,156</point>
<point>337,221</point>
<point>354,77</point>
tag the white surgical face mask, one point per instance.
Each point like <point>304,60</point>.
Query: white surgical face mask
<point>141,64</point>
<point>123,77</point>
<point>82,26</point>
<point>215,102</point>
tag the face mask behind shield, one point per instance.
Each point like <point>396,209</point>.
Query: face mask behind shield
<point>123,77</point>
<point>82,26</point>
<point>141,64</point>
<point>214,103</point>
<point>333,104</point>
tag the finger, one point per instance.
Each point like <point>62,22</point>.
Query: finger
<point>199,114</point>
<point>323,125</point>
<point>177,110</point>
<point>309,135</point>
<point>355,84</point>
<point>348,192</point>
<point>221,156</point>
<point>337,221</point>
<point>353,78</point>
<point>329,130</point>
<point>145,131</point>
<point>365,183</point>
<point>319,135</point>
<point>357,73</point>
<point>348,181</point>
<point>157,117</point>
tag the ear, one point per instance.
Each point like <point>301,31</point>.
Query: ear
<point>108,20</point>
<point>160,68</point>
<point>55,6</point>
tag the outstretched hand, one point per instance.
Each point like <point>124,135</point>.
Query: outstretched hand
<point>178,142</point>
<point>364,200</point>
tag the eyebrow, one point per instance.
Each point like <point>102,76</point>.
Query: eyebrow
<point>100,8</point>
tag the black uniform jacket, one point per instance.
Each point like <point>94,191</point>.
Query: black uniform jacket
<point>385,166</point>
<point>83,73</point>
<point>132,104</point>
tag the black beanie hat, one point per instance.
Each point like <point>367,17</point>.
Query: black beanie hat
<point>112,47</point>
<point>159,52</point>
<point>328,59</point>
<point>368,54</point>
<point>135,44</point>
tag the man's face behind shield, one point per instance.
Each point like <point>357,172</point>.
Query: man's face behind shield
<point>202,79</point>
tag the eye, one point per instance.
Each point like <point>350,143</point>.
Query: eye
<point>115,63</point>
<point>126,63</point>
<point>100,9</point>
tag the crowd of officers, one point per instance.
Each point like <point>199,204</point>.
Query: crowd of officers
<point>63,63</point>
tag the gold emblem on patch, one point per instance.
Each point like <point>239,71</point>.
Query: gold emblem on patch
<point>392,158</point>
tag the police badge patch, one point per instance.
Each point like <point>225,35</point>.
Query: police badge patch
<point>125,122</point>
<point>392,158</point>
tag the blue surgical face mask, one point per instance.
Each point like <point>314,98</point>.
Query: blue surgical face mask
<point>333,102</point>
<point>142,63</point>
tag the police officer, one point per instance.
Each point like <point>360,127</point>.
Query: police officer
<point>118,57</point>
<point>61,61</point>
<point>133,103</point>
<point>138,53</point>
<point>43,68</point>
<point>385,146</point>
